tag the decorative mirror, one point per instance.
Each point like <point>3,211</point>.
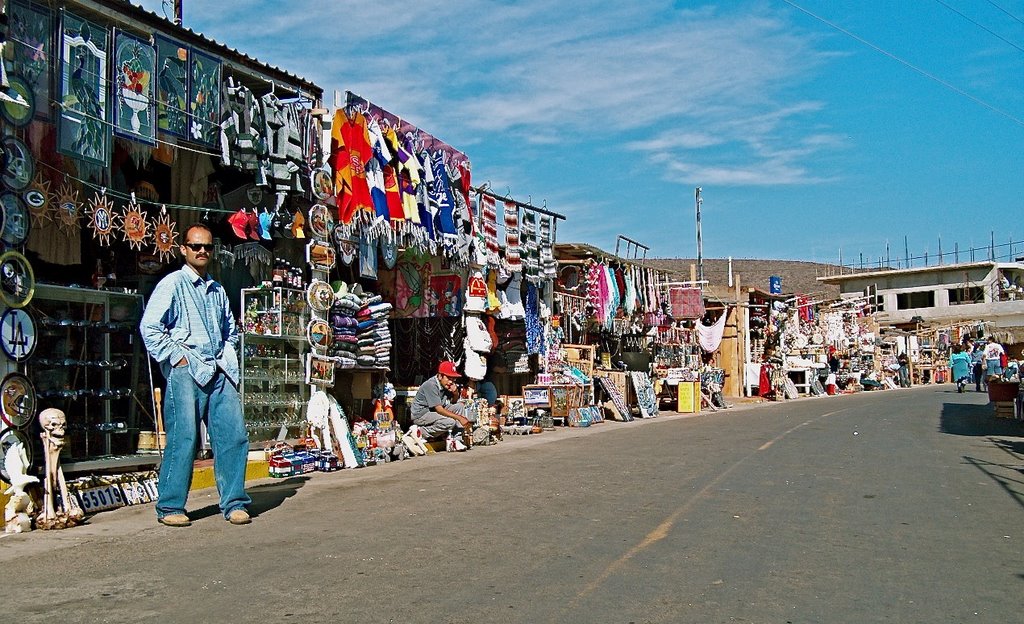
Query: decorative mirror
<point>17,400</point>
<point>18,334</point>
<point>20,166</point>
<point>319,334</point>
<point>319,295</point>
<point>320,222</point>
<point>320,256</point>
<point>16,222</point>
<point>322,184</point>
<point>17,281</point>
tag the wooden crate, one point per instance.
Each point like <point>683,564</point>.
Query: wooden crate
<point>1005,409</point>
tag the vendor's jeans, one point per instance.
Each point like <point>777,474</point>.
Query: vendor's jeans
<point>904,377</point>
<point>185,405</point>
<point>979,375</point>
<point>434,425</point>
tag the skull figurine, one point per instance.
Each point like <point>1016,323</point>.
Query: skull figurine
<point>65,513</point>
<point>54,423</point>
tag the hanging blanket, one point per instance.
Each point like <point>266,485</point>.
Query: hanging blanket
<point>512,237</point>
<point>711,336</point>
<point>490,222</point>
<point>687,303</point>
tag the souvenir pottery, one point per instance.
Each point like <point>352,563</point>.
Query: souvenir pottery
<point>320,296</point>
<point>319,334</point>
<point>136,225</point>
<point>17,400</point>
<point>320,222</point>
<point>17,280</point>
<point>102,218</point>
<point>164,236</point>
<point>19,165</point>
<point>68,209</point>
<point>18,334</point>
<point>37,200</point>
<point>16,221</point>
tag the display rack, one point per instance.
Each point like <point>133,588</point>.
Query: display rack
<point>89,363</point>
<point>272,360</point>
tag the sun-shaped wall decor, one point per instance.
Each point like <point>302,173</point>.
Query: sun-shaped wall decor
<point>164,235</point>
<point>37,198</point>
<point>102,218</point>
<point>69,211</point>
<point>136,225</point>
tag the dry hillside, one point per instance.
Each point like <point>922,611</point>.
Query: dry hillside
<point>798,277</point>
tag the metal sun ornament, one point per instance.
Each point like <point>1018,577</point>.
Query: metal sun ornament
<point>69,211</point>
<point>37,198</point>
<point>102,218</point>
<point>136,225</point>
<point>164,236</point>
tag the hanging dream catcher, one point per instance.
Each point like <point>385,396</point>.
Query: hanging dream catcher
<point>164,235</point>
<point>68,209</point>
<point>136,225</point>
<point>102,218</point>
<point>37,198</point>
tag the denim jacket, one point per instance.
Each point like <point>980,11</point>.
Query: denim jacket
<point>189,316</point>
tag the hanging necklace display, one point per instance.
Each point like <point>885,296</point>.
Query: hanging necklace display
<point>319,334</point>
<point>136,225</point>
<point>18,334</point>
<point>68,208</point>
<point>164,235</point>
<point>320,295</point>
<point>16,221</point>
<point>17,280</point>
<point>320,222</point>
<point>19,166</point>
<point>17,400</point>
<point>37,199</point>
<point>102,218</point>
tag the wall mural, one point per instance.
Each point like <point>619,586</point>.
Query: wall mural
<point>82,131</point>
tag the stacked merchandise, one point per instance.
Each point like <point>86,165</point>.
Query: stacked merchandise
<point>374,338</point>
<point>345,349</point>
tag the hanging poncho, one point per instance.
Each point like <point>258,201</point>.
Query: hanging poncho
<point>710,336</point>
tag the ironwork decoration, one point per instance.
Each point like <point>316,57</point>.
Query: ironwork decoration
<point>171,87</point>
<point>69,211</point>
<point>37,200</point>
<point>204,98</point>
<point>102,218</point>
<point>81,130</point>
<point>134,88</point>
<point>19,165</point>
<point>18,334</point>
<point>14,112</point>
<point>136,225</point>
<point>16,223</point>
<point>165,236</point>
<point>17,400</point>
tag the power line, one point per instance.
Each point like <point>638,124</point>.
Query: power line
<point>1012,16</point>
<point>993,33</point>
<point>951,87</point>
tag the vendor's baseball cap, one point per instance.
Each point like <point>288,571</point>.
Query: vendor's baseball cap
<point>448,369</point>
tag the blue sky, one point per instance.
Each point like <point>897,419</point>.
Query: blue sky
<point>804,140</point>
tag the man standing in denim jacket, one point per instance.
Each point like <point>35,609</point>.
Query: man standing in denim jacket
<point>188,328</point>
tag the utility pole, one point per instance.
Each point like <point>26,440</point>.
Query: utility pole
<point>700,245</point>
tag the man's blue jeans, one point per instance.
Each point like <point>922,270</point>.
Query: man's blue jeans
<point>185,405</point>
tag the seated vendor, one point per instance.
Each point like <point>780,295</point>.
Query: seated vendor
<point>870,381</point>
<point>435,409</point>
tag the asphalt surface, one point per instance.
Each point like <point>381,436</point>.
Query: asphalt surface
<point>895,506</point>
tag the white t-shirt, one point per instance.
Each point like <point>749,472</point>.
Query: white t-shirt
<point>993,351</point>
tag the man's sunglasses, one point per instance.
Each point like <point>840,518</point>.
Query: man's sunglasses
<point>198,246</point>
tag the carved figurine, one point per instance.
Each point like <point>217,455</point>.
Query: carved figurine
<point>66,513</point>
<point>19,509</point>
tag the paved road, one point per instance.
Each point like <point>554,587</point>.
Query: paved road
<point>897,506</point>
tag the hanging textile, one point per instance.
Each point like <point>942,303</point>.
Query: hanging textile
<point>375,171</point>
<point>350,153</point>
<point>549,268</point>
<point>531,250</point>
<point>710,336</point>
<point>512,237</point>
<point>442,204</point>
<point>534,330</point>
<point>686,303</point>
<point>490,225</point>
